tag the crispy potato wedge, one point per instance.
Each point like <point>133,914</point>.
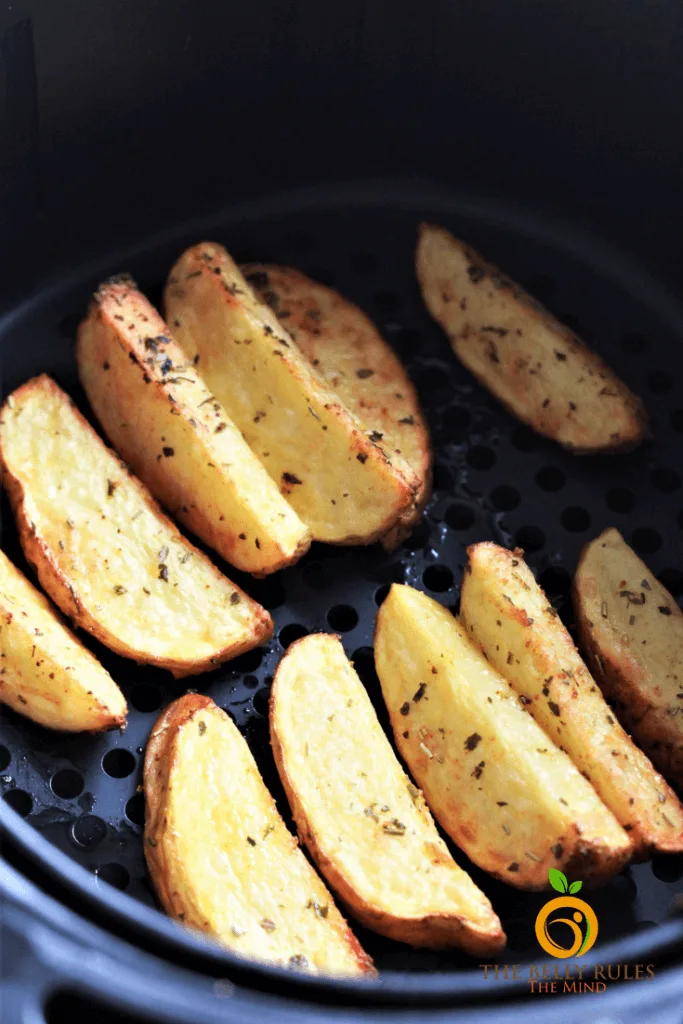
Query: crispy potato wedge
<point>366,826</point>
<point>521,634</point>
<point>47,674</point>
<point>502,790</point>
<point>631,630</point>
<point>340,482</point>
<point>352,357</point>
<point>104,551</point>
<point>162,419</point>
<point>220,856</point>
<point>541,372</point>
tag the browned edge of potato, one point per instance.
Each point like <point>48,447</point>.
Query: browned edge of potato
<point>157,412</point>
<point>97,546</point>
<point>522,635</point>
<point>631,631</point>
<point>393,870</point>
<point>502,790</point>
<point>338,479</point>
<point>535,365</point>
<point>188,820</point>
<point>47,674</point>
<point>352,357</point>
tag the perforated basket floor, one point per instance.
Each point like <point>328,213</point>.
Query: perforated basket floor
<point>494,479</point>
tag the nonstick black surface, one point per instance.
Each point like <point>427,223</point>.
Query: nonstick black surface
<point>494,479</point>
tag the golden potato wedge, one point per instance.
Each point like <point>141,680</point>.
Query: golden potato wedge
<point>502,790</point>
<point>104,551</point>
<point>352,357</point>
<point>47,674</point>
<point>220,856</point>
<point>162,419</point>
<point>631,630</point>
<point>521,634</point>
<point>340,482</point>
<point>538,368</point>
<point>366,826</point>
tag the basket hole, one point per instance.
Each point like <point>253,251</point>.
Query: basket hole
<point>408,338</point>
<point>5,758</point>
<point>530,538</point>
<point>646,540</point>
<point>459,517</point>
<point>621,499</point>
<point>666,480</point>
<point>555,580</point>
<point>387,301</point>
<point>659,382</point>
<point>251,682</point>
<point>88,831</point>
<point>67,783</point>
<point>269,592</point>
<point>382,593</point>
<point>480,457</point>
<point>342,618</point>
<point>575,519</point>
<point>363,659</point>
<point>437,578</point>
<point>550,478</point>
<point>248,662</point>
<point>667,868</point>
<point>290,633</point>
<point>443,478</point>
<point>261,701</point>
<point>317,575</point>
<point>676,420</point>
<point>505,498</point>
<point>524,439</point>
<point>455,422</point>
<point>19,800</point>
<point>633,343</point>
<point>135,809</point>
<point>364,262</point>
<point>118,763</point>
<point>672,579</point>
<point>114,874</point>
<point>146,698</point>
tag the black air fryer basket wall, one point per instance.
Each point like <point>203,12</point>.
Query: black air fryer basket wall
<point>547,135</point>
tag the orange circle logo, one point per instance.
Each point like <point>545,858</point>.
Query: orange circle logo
<point>581,926</point>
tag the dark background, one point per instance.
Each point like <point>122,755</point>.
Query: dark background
<point>117,118</point>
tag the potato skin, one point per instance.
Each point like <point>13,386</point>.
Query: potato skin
<point>51,563</point>
<point>620,604</point>
<point>47,674</point>
<point>534,365</point>
<point>521,634</point>
<point>164,422</point>
<point>174,881</point>
<point>350,354</point>
<point>498,786</point>
<point>340,483</point>
<point>467,919</point>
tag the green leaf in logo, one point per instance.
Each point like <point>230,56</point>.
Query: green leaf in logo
<point>558,880</point>
<point>575,886</point>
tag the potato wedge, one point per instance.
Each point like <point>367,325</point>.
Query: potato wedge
<point>366,826</point>
<point>521,634</point>
<point>502,790</point>
<point>631,630</point>
<point>162,419</point>
<point>541,372</point>
<point>220,856</point>
<point>47,674</point>
<point>340,482</point>
<point>352,357</point>
<point>104,551</point>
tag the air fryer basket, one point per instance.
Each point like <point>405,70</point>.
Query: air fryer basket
<point>494,479</point>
